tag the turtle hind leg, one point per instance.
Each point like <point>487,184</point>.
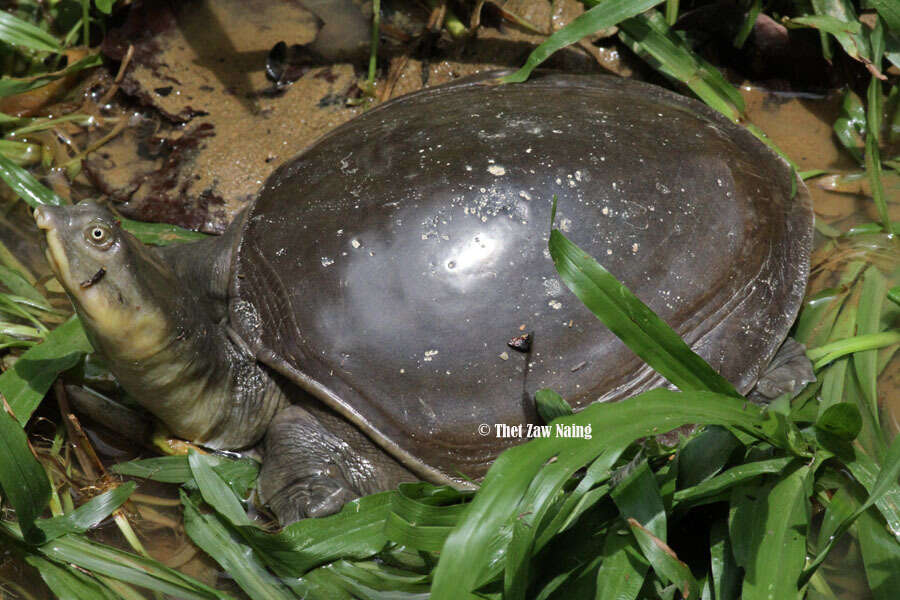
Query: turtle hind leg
<point>312,465</point>
<point>787,373</point>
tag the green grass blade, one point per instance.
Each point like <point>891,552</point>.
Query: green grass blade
<point>885,483</point>
<point>215,491</point>
<point>227,548</point>
<point>605,14</point>
<point>724,572</point>
<point>868,321</point>
<point>508,484</point>
<point>747,25</point>
<point>68,583</point>
<point>881,555</point>
<point>238,474</point>
<point>10,86</point>
<point>632,321</point>
<point>27,381</point>
<point>664,561</point>
<point>161,234</point>
<point>650,37</point>
<point>713,488</point>
<point>860,343</point>
<point>17,32</point>
<point>22,479</point>
<point>873,154</point>
<point>26,186</point>
<point>105,560</point>
<point>16,283</point>
<point>637,496</point>
<point>357,532</point>
<point>88,515</point>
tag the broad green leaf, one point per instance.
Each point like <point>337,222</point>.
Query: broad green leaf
<point>845,32</point>
<point>104,6</point>
<point>16,283</point>
<point>704,455</point>
<point>841,420</point>
<point>723,571</point>
<point>881,556</point>
<point>23,154</point>
<point>885,483</point>
<point>551,405</point>
<point>22,479</point>
<point>623,570</point>
<point>603,15</point>
<point>888,10</point>
<point>777,523</point>
<point>27,381</point>
<point>632,321</point>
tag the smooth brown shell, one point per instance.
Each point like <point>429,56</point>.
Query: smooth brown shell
<point>386,267</point>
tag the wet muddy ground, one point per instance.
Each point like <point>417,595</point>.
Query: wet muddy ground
<point>196,127</point>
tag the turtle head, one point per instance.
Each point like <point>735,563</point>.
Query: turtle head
<point>118,285</point>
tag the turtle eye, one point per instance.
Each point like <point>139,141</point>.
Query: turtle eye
<point>99,235</point>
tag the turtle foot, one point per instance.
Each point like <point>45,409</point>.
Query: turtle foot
<point>788,373</point>
<point>310,470</point>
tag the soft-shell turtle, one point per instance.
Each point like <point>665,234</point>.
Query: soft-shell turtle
<point>384,270</point>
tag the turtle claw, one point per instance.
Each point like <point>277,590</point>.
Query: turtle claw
<point>326,496</point>
<point>315,496</point>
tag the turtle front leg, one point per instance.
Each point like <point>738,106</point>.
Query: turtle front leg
<point>314,464</point>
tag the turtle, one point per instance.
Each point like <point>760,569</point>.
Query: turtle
<point>363,320</point>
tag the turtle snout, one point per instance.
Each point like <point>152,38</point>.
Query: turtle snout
<point>45,218</point>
